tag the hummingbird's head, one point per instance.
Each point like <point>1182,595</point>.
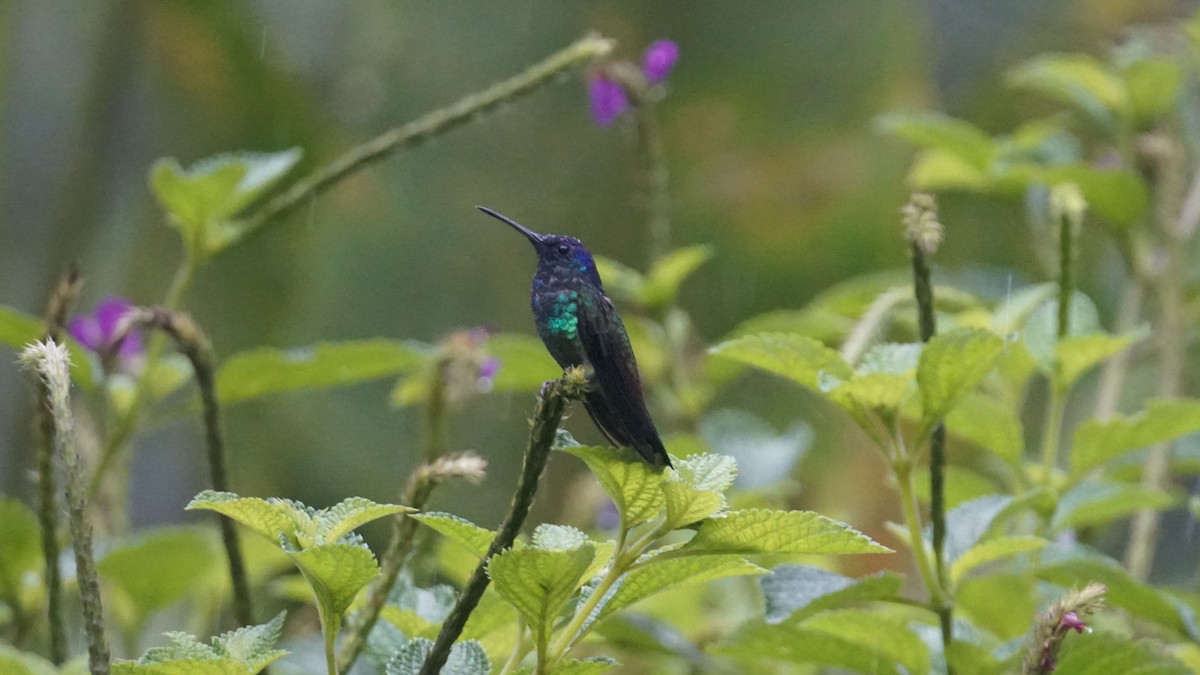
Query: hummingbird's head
<point>557,253</point>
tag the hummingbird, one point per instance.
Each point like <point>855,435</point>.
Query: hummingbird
<point>580,327</point>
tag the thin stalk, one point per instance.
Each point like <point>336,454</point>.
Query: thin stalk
<point>651,149</point>
<point>56,314</point>
<point>420,487</point>
<point>1051,431</point>
<point>330,628</point>
<point>912,519</point>
<point>428,126</point>
<point>196,347</point>
<point>547,417</point>
<point>51,361</point>
<point>1116,369</point>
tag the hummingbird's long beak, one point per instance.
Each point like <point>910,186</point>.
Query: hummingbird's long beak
<point>530,234</point>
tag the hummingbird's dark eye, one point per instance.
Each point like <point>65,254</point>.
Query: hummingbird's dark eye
<point>564,249</point>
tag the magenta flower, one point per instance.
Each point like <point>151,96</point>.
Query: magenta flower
<point>607,100</point>
<point>95,331</point>
<point>1071,621</point>
<point>659,60</point>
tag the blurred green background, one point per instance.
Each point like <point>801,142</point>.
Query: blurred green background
<point>769,143</point>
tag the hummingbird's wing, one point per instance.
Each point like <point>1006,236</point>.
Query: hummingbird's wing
<point>616,404</point>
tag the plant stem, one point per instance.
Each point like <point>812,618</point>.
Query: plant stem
<point>416,494</point>
<point>56,314</point>
<point>428,126</point>
<point>1051,431</point>
<point>908,501</point>
<point>51,362</point>
<point>1112,377</point>
<point>196,347</point>
<point>548,414</point>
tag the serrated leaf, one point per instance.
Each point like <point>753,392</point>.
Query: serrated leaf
<point>1103,653</point>
<point>992,550</point>
<point>475,539</point>
<point>21,551</point>
<point>880,393</point>
<point>952,364</point>
<point>764,457</point>
<point>252,645</point>
<point>156,570</point>
<point>1098,441</point>
<point>268,517</point>
<point>632,485</point>
<point>798,591</point>
<point>265,371</point>
<point>934,130</point>
<point>990,424</point>
<point>182,666</point>
<point>796,357</point>
<point>1079,80</point>
<point>202,200</point>
<point>687,505</point>
<point>669,272</point>
<point>336,573</point>
<point>1078,566</point>
<point>763,531</point>
<point>696,489</point>
<point>891,358</point>
<point>655,574</point>
<point>1039,333</point>
<point>335,522</point>
<point>1098,502</point>
<point>539,582</point>
<point>465,658</point>
<point>550,537</point>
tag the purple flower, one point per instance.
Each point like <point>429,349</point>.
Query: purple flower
<point>488,369</point>
<point>609,518</point>
<point>659,60</point>
<point>95,331</point>
<point>1071,621</point>
<point>607,99</point>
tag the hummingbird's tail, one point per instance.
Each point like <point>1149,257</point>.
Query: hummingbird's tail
<point>643,437</point>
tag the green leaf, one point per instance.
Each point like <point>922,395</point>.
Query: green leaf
<point>1040,331</point>
<point>539,582</point>
<point>550,537</point>
<point>16,662</point>
<point>268,517</point>
<point>1099,441</point>
<point>992,550</point>
<point>937,169</point>
<point>21,552</point>
<point>933,130</point>
<point>762,531</point>
<point>865,642</point>
<point>634,487</point>
<point>1079,80</point>
<point>654,574</point>
<point>989,423</point>
<point>969,522</point>
<point>798,591</point>
<point>203,200</point>
<point>1119,196</point>
<point>1104,653</point>
<point>1078,566</point>
<point>952,364</point>
<point>797,357</point>
<point>1002,604</point>
<point>18,329</point>
<point>524,362</point>
<point>475,539</point>
<point>696,488</point>
<point>156,570</point>
<point>335,522</point>
<point>669,272</point>
<point>880,393</point>
<point>1153,85</point>
<point>1098,502</point>
<point>1077,354</point>
<point>578,667</point>
<point>336,573</point>
<point>266,371</point>
<point>243,651</point>
<point>465,658</point>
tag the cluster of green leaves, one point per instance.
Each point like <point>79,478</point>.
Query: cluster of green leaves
<point>563,583</point>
